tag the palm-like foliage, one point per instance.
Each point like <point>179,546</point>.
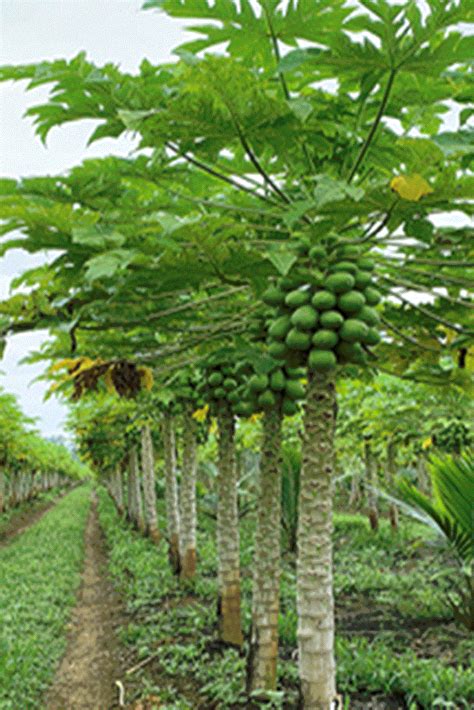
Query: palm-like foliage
<point>451,509</point>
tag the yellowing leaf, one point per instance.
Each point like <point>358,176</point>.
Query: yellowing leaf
<point>427,443</point>
<point>255,417</point>
<point>200,415</point>
<point>410,187</point>
<point>68,362</point>
<point>213,427</point>
<point>109,382</point>
<point>146,377</point>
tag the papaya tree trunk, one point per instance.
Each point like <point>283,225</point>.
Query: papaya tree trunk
<point>171,491</point>
<point>118,489</point>
<point>390,474</point>
<point>315,603</point>
<point>187,545</point>
<point>371,480</point>
<point>135,494</point>
<point>149,492</point>
<point>228,538</point>
<point>2,491</point>
<point>263,653</point>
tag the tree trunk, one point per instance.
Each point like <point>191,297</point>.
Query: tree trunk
<point>135,494</point>
<point>315,602</point>
<point>187,545</point>
<point>171,492</point>
<point>263,654</point>
<point>391,472</point>
<point>422,478</point>
<point>149,493</point>
<point>119,489</point>
<point>371,480</point>
<point>2,491</point>
<point>228,538</point>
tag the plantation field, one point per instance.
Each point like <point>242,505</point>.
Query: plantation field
<point>396,643</point>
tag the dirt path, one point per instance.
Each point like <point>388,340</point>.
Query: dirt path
<point>24,519</point>
<point>86,676</point>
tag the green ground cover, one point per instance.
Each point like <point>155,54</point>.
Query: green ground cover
<point>395,638</point>
<point>39,573</point>
<point>41,499</point>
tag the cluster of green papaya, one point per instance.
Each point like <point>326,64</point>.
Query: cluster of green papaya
<point>281,387</point>
<point>324,316</point>
<point>223,381</point>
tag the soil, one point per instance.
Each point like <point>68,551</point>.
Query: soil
<point>87,675</point>
<point>25,518</point>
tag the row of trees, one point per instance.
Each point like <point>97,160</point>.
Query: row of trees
<point>273,237</point>
<point>29,464</point>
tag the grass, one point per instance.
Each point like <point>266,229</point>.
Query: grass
<point>40,572</point>
<point>395,638</point>
<point>40,499</point>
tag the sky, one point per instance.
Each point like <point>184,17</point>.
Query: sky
<point>31,31</point>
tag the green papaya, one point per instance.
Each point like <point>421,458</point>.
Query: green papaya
<point>297,298</point>
<point>234,397</point>
<point>350,352</point>
<point>258,383</point>
<point>295,373</point>
<point>344,266</point>
<point>372,296</point>
<point>325,339</point>
<point>244,409</point>
<point>339,282</point>
<point>368,315</point>
<point>277,349</point>
<point>353,330</point>
<point>362,279</point>
<point>215,379</point>
<point>267,399</point>
<point>322,360</point>
<point>366,264</point>
<point>294,389</point>
<point>289,408</point>
<point>230,383</point>
<point>351,302</point>
<point>332,320</point>
<point>220,393</point>
<point>348,251</point>
<point>304,318</point>
<point>317,253</point>
<point>279,328</point>
<point>277,381</point>
<point>323,300</point>
<point>273,296</point>
<point>372,337</point>
<point>296,340</point>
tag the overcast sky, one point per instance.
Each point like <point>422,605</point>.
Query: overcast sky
<point>33,30</point>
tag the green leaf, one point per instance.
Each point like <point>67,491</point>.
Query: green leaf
<point>282,260</point>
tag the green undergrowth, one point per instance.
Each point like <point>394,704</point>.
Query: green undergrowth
<point>41,499</point>
<point>395,639</point>
<point>39,575</point>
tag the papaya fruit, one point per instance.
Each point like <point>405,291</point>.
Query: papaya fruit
<point>351,302</point>
<point>294,389</point>
<point>289,408</point>
<point>273,296</point>
<point>372,337</point>
<point>366,264</point>
<point>258,383</point>
<point>277,349</point>
<point>304,318</point>
<point>220,393</point>
<point>332,320</point>
<point>323,300</point>
<point>267,399</point>
<point>295,373</point>
<point>325,340</point>
<point>362,279</point>
<point>339,282</point>
<point>350,352</point>
<point>296,340</point>
<point>277,381</point>
<point>229,383</point>
<point>372,296</point>
<point>317,253</point>
<point>368,315</point>
<point>215,379</point>
<point>279,328</point>
<point>244,409</point>
<point>353,330</point>
<point>322,360</point>
<point>297,298</point>
<point>344,266</point>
